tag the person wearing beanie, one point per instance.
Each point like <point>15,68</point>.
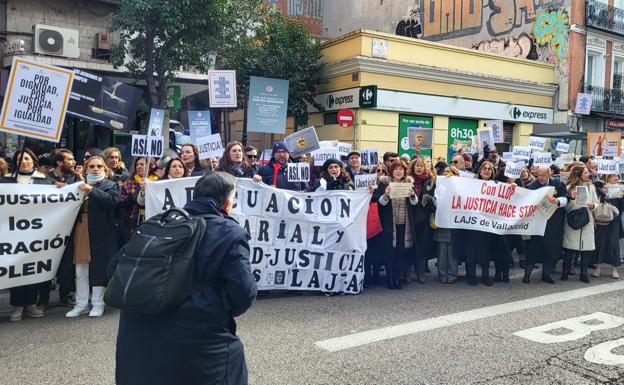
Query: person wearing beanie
<point>333,177</point>
<point>276,172</point>
<point>355,164</point>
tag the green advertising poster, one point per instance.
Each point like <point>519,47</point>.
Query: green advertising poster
<point>405,123</point>
<point>460,133</point>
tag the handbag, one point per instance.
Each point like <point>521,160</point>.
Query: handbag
<point>605,213</point>
<point>577,218</point>
<point>373,222</point>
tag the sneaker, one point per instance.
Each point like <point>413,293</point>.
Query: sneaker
<point>33,311</point>
<point>17,314</point>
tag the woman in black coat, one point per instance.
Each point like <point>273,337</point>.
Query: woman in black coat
<point>608,236</point>
<point>333,177</point>
<point>375,245</point>
<point>25,298</point>
<point>96,237</point>
<point>196,343</point>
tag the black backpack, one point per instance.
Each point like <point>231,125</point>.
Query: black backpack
<point>156,271</point>
<point>577,218</point>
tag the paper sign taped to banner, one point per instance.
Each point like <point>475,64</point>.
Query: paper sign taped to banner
<point>299,241</point>
<point>298,172</point>
<point>363,182</point>
<point>36,100</point>
<point>145,145</point>
<point>36,223</point>
<point>210,146</point>
<point>497,208</point>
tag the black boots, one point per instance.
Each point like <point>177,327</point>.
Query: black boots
<point>528,268</point>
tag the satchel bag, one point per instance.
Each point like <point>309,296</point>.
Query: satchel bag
<point>605,213</point>
<point>373,222</point>
<point>577,218</point>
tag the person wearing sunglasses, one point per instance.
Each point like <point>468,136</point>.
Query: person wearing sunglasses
<point>251,159</point>
<point>458,162</point>
<point>96,238</point>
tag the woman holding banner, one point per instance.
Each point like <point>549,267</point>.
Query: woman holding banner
<point>132,198</point>
<point>608,235</point>
<point>478,243</point>
<point>24,298</point>
<point>232,161</point>
<point>333,177</point>
<point>190,156</point>
<point>398,222</point>
<point>96,237</point>
<point>583,196</point>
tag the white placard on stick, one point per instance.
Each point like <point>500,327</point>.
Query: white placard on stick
<point>537,143</point>
<point>222,88</point>
<point>608,166</point>
<point>542,159</point>
<point>362,182</point>
<point>320,156</point>
<point>563,147</point>
<point>298,172</point>
<point>514,169</point>
<point>497,130</point>
<point>36,100</point>
<point>150,146</point>
<point>369,158</point>
<point>521,152</point>
<point>209,146</point>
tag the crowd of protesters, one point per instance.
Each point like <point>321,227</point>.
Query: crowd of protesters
<point>409,238</point>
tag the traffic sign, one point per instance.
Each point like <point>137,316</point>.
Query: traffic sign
<point>345,118</point>
<point>368,97</point>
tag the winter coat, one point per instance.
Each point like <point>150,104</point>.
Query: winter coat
<point>196,343</point>
<point>120,175</point>
<point>553,235</point>
<point>199,171</point>
<point>37,178</point>
<point>338,184</point>
<point>352,173</point>
<point>103,230</point>
<point>581,239</point>
<point>387,218</point>
<point>266,172</point>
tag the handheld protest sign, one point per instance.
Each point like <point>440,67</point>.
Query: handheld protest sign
<point>363,182</point>
<point>608,166</point>
<point>537,143</point>
<point>467,174</point>
<point>521,152</point>
<point>323,154</point>
<point>342,148</point>
<point>298,172</point>
<point>563,147</point>
<point>369,158</point>
<point>497,130</point>
<point>514,169</point>
<point>36,100</point>
<point>209,146</point>
<point>149,146</point>
<point>485,137</point>
<point>302,142</point>
<point>156,121</point>
<point>541,159</point>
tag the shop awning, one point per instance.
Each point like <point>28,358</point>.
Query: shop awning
<point>562,131</point>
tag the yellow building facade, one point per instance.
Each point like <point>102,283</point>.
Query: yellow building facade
<point>392,84</point>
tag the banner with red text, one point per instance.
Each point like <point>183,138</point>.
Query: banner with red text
<point>497,208</point>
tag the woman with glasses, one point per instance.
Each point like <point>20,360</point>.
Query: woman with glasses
<point>398,223</point>
<point>478,243</point>
<point>96,237</point>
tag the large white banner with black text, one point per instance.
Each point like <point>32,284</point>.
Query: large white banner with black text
<point>299,241</point>
<point>497,208</point>
<point>35,222</point>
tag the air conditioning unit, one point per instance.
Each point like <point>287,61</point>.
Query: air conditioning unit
<point>56,41</point>
<point>103,41</point>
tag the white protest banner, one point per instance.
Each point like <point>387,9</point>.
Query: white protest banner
<point>497,208</point>
<point>497,130</point>
<point>222,88</point>
<point>467,174</point>
<point>542,158</point>
<point>298,172</point>
<point>521,152</point>
<point>35,222</point>
<point>608,166</point>
<point>343,148</point>
<point>563,147</point>
<point>320,156</point>
<point>302,142</point>
<point>299,241</point>
<point>514,169</point>
<point>36,100</point>
<point>209,146</point>
<point>369,158</point>
<point>363,182</point>
<point>537,143</point>
<point>144,145</point>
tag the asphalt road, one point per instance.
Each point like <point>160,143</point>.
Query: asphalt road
<point>446,334</point>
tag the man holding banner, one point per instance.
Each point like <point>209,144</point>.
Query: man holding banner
<point>276,172</point>
<point>550,245</point>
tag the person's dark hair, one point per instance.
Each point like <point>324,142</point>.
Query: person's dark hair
<point>17,159</point>
<point>44,160</point>
<point>584,159</point>
<point>555,169</point>
<point>58,155</point>
<point>219,185</point>
<point>134,164</point>
<point>389,155</point>
<point>249,148</point>
<point>168,167</point>
<point>440,167</point>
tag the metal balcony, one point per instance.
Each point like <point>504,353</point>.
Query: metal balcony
<point>606,100</point>
<point>604,17</point>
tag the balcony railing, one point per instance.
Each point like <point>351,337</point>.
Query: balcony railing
<point>605,17</point>
<point>605,99</point>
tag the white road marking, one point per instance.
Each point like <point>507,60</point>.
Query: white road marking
<point>376,335</point>
<point>603,353</point>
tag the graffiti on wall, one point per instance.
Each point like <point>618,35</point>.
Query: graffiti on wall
<point>551,29</point>
<point>522,46</point>
<point>410,27</point>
